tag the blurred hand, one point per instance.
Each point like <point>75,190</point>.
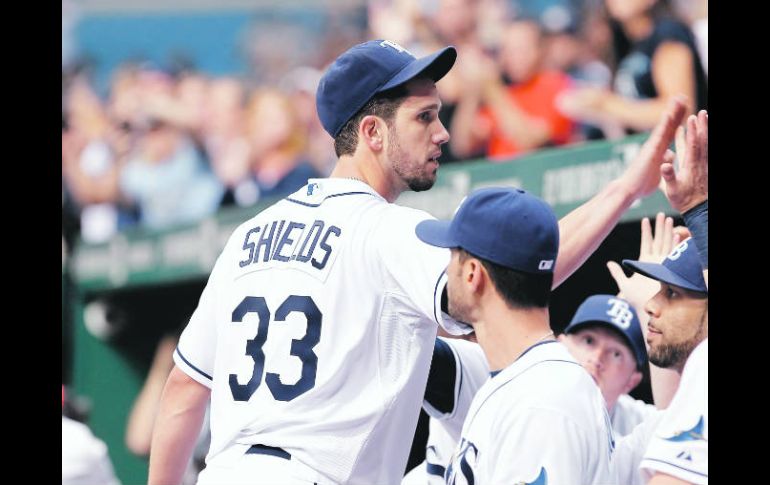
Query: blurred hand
<point>643,173</point>
<point>583,104</point>
<point>688,186</point>
<point>476,68</point>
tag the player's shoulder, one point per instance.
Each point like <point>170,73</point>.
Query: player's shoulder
<point>395,227</point>
<point>670,29</point>
<point>552,375</point>
<point>407,216</point>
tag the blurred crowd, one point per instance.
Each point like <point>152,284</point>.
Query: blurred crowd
<point>169,144</point>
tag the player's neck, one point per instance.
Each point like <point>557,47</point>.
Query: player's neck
<point>505,335</point>
<point>368,171</point>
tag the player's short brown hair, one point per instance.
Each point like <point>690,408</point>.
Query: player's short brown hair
<point>518,288</point>
<point>383,105</point>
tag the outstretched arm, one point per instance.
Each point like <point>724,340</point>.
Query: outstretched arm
<point>584,229</point>
<point>687,188</point>
<point>177,427</point>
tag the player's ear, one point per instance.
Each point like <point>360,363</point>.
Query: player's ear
<point>371,132</point>
<point>475,275</point>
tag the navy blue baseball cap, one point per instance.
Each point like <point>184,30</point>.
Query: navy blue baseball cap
<point>614,312</point>
<point>367,69</point>
<point>504,225</point>
<point>681,268</point>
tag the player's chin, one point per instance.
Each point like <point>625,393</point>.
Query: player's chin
<point>422,183</point>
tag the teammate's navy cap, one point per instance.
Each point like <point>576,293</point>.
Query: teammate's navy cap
<point>506,226</point>
<point>614,312</point>
<point>367,69</point>
<point>681,268</point>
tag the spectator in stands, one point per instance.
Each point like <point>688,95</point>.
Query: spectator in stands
<point>695,14</point>
<point>568,50</point>
<point>662,62</point>
<point>279,165</point>
<point>91,163</point>
<point>454,22</point>
<point>224,133</point>
<point>509,119</point>
<point>166,176</point>
<point>301,85</point>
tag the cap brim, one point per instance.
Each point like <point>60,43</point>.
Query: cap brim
<point>435,233</point>
<point>434,66</point>
<point>660,273</point>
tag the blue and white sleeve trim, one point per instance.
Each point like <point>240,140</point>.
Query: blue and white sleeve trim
<point>191,370</point>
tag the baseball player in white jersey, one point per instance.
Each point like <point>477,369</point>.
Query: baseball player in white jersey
<point>540,418</point>
<point>604,336</point>
<point>679,446</point>
<point>314,333</point>
<point>678,324</point>
<point>675,447</point>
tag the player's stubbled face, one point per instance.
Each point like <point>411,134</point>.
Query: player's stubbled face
<point>416,136</point>
<point>458,306</point>
<point>678,323</point>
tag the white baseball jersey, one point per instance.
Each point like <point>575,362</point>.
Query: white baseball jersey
<point>540,420</point>
<point>315,333</point>
<point>628,413</point>
<point>445,428</point>
<point>629,450</point>
<point>679,446</point>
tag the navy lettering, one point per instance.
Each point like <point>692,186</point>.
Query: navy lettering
<point>277,239</point>
<point>332,230</point>
<point>250,246</point>
<point>286,241</point>
<point>317,228</point>
<point>266,241</point>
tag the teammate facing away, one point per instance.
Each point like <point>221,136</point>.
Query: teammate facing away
<point>540,418</point>
<point>314,333</point>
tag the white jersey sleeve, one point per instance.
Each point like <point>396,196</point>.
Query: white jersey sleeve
<point>679,446</point>
<point>628,413</point>
<point>196,351</point>
<point>629,450</point>
<point>418,269</point>
<point>472,371</point>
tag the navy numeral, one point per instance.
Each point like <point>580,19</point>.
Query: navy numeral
<point>302,348</point>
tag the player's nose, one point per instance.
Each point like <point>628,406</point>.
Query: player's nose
<point>442,135</point>
<point>596,359</point>
<point>652,307</point>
